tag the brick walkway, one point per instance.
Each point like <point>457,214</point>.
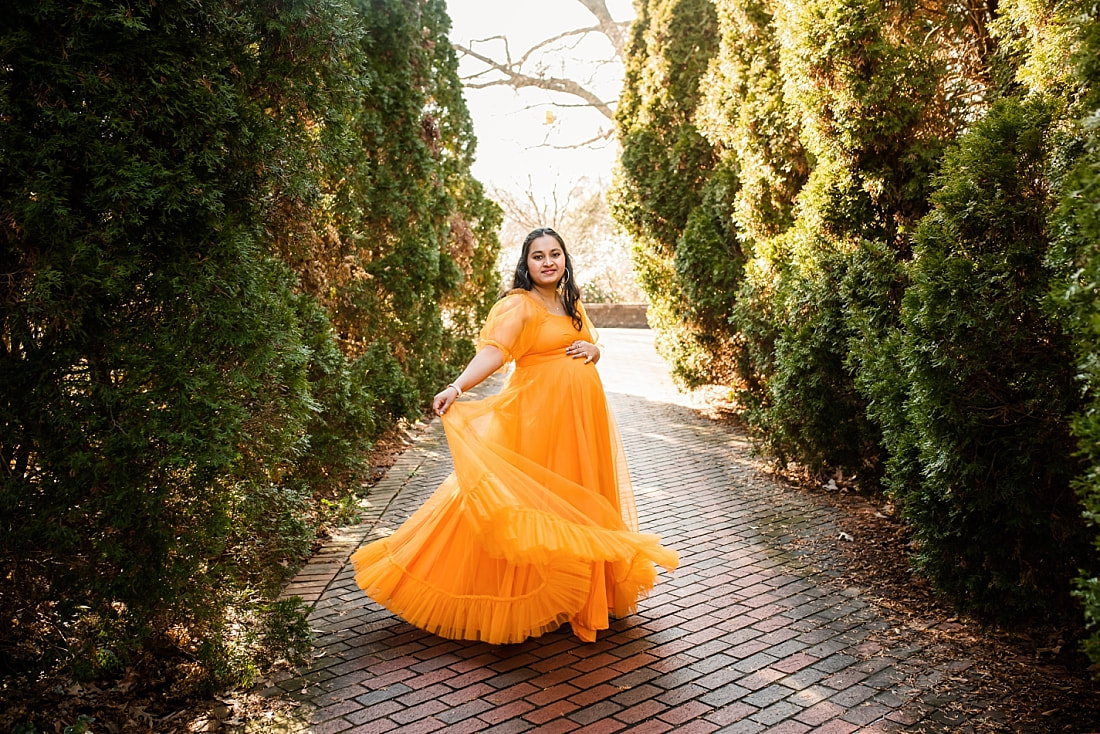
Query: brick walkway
<point>753,633</point>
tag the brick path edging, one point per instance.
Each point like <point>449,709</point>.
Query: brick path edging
<point>317,575</point>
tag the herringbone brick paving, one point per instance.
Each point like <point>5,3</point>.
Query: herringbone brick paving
<point>753,633</point>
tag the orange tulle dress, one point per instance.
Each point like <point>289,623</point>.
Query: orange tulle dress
<point>536,526</point>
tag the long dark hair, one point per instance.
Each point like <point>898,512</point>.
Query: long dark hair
<point>567,285</point>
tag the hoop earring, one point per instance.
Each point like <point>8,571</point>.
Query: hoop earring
<point>565,278</point>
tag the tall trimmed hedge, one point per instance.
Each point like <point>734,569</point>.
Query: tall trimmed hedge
<point>989,380</point>
<point>663,173</point>
<point>404,204</point>
<point>224,272</point>
<point>1076,258</point>
<point>745,116</point>
<point>876,325</point>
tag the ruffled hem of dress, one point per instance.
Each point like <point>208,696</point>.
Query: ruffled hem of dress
<point>495,620</point>
<point>567,557</point>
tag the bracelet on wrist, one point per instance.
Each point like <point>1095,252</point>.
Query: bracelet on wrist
<point>456,387</point>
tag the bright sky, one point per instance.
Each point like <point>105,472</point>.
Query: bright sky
<point>512,125</point>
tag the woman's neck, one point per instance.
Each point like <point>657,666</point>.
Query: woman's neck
<point>547,293</point>
<point>549,298</point>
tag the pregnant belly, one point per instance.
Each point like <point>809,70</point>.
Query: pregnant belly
<point>554,365</point>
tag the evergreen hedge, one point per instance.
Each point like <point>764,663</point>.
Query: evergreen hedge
<point>888,315</point>
<point>199,202</point>
<point>1076,258</point>
<point>663,171</point>
<point>989,380</point>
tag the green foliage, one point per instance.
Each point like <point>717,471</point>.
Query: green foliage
<point>864,124</point>
<point>708,258</point>
<point>662,180</point>
<point>707,267</point>
<point>874,287</point>
<point>229,231</point>
<point>862,78</point>
<point>1076,256</point>
<point>856,71</point>
<point>285,631</point>
<point>154,380</point>
<point>745,114</point>
<point>1040,38</point>
<point>258,636</point>
<point>406,212</point>
<point>989,381</point>
<point>812,412</point>
<point>827,123</point>
<point>345,413</point>
<point>1080,228</point>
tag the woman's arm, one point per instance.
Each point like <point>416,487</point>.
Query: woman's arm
<point>488,360</point>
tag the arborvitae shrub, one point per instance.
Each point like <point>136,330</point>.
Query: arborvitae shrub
<point>345,418</point>
<point>745,116</point>
<point>172,405</point>
<point>413,227</point>
<point>153,372</point>
<point>665,163</point>
<point>813,413</point>
<point>1081,256</point>
<point>835,116</point>
<point>858,78</point>
<point>754,315</point>
<point>1076,255</point>
<point>873,289</point>
<point>709,265</point>
<point>743,113</point>
<point>990,381</point>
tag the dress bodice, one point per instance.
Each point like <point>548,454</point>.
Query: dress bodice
<point>522,327</point>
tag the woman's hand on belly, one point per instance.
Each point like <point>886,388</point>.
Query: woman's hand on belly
<point>580,348</point>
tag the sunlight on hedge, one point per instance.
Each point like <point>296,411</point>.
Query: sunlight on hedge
<point>863,217</point>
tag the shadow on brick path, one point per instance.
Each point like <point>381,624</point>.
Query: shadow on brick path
<point>753,633</point>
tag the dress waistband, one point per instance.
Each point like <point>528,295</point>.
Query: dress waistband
<point>530,360</point>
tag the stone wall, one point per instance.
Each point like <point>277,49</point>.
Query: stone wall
<point>617,315</point>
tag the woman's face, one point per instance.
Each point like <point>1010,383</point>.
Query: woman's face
<point>545,261</point>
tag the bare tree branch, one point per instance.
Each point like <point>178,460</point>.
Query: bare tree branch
<point>581,33</point>
<point>607,134</point>
<point>511,73</point>
<point>518,80</point>
<point>608,26</point>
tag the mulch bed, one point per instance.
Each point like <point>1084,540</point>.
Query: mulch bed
<point>1019,679</point>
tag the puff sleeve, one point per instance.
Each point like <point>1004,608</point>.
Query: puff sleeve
<point>509,326</point>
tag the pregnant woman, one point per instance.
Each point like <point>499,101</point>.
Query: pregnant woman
<point>536,527</point>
